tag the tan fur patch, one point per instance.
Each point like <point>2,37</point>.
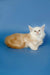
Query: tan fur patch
<point>15,41</point>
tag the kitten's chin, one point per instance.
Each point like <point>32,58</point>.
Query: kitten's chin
<point>37,34</point>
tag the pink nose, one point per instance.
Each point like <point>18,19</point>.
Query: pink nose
<point>37,32</point>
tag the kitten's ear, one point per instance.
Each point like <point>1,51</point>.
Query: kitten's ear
<point>30,28</point>
<point>43,27</point>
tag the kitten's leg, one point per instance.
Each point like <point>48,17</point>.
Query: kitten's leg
<point>36,45</point>
<point>40,43</point>
<point>32,46</point>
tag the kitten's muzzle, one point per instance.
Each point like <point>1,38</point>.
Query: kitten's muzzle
<point>37,32</point>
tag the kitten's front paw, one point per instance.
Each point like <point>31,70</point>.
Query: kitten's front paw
<point>35,48</point>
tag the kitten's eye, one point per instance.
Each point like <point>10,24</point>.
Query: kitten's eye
<point>39,30</point>
<point>34,30</point>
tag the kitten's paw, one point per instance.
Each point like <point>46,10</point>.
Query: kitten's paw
<point>32,48</point>
<point>35,48</point>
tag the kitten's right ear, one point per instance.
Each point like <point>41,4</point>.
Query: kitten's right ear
<point>30,28</point>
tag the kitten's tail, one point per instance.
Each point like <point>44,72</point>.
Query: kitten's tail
<point>10,44</point>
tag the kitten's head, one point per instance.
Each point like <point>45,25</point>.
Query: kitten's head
<point>37,31</point>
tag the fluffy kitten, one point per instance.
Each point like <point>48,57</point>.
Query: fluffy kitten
<point>33,39</point>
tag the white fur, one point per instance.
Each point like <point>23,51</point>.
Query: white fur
<point>39,37</point>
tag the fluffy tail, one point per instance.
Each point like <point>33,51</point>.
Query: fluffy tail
<point>9,43</point>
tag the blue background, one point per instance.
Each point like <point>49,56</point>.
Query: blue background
<point>15,15</point>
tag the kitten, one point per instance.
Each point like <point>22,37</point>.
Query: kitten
<point>33,39</point>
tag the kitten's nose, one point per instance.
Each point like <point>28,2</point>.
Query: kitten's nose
<point>37,32</point>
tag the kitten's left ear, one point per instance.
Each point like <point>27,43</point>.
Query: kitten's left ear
<point>43,27</point>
